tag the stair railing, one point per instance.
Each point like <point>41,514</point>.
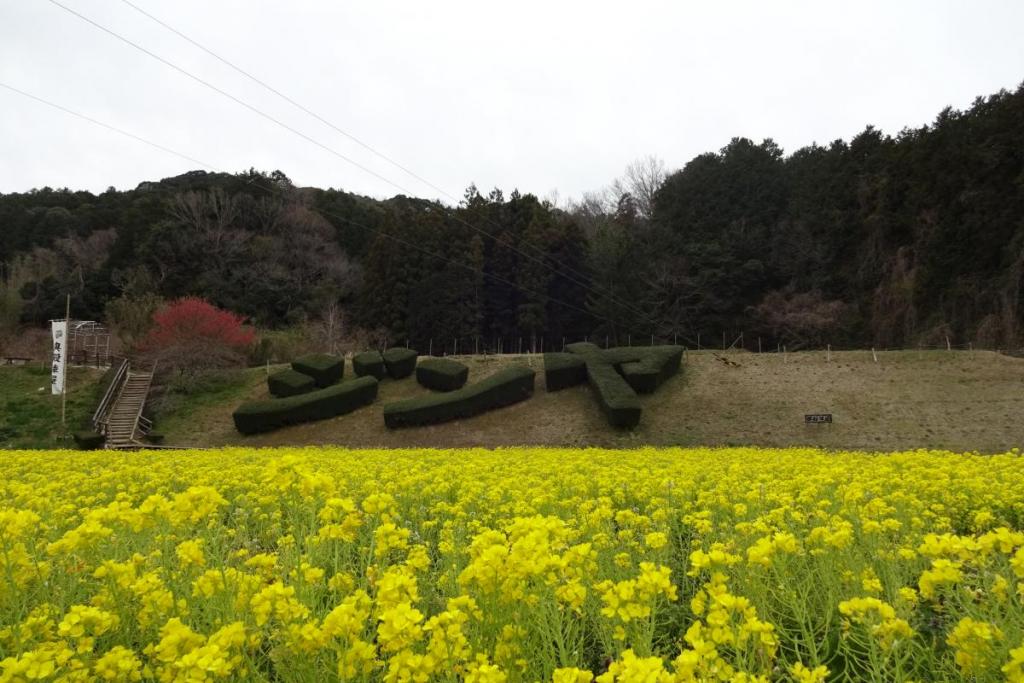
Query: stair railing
<point>99,418</point>
<point>142,405</point>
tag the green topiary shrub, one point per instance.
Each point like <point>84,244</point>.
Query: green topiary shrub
<point>616,375</point>
<point>88,440</point>
<point>505,387</point>
<point>324,368</point>
<point>265,416</point>
<point>289,383</point>
<point>583,348</point>
<point>400,362</point>
<point>441,374</point>
<point>368,364</point>
<point>617,399</point>
<point>645,368</point>
<point>563,370</point>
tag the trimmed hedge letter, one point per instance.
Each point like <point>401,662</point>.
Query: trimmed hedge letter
<point>615,375</point>
<point>505,387</point>
<point>369,364</point>
<point>400,362</point>
<point>265,416</point>
<point>324,368</point>
<point>285,383</point>
<point>441,374</point>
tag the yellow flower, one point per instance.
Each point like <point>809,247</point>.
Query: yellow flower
<point>190,553</point>
<point>277,601</point>
<point>573,594</point>
<point>656,540</point>
<point>973,641</point>
<point>943,573</point>
<point>411,565</point>
<point>880,619</point>
<point>1014,669</point>
<point>628,668</point>
<point>399,627</point>
<point>908,595</point>
<point>388,537</point>
<point>481,671</point>
<point>571,675</point>
<point>802,674</point>
<point>118,664</point>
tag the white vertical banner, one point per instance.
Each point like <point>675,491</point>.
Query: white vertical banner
<point>60,338</point>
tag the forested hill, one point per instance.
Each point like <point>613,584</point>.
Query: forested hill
<point>881,240</point>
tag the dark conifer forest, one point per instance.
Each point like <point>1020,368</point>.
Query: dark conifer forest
<point>887,241</point>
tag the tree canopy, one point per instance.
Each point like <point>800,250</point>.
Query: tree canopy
<point>881,240</point>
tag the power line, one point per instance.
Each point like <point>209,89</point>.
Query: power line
<point>239,101</point>
<point>286,98</point>
<point>320,118</point>
<point>224,93</point>
<point>272,188</point>
<point>107,126</point>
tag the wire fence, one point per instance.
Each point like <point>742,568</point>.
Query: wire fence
<point>544,343</point>
<point>538,344</point>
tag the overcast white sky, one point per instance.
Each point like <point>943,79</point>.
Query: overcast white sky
<point>534,95</point>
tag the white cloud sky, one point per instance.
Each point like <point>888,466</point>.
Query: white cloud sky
<point>534,95</point>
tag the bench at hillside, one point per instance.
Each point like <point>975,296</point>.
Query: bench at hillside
<point>16,360</point>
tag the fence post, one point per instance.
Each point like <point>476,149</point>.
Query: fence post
<point>948,346</point>
<point>873,354</point>
<point>759,345</point>
<point>455,349</point>
<point>430,352</point>
<point>828,353</point>
<point>698,341</point>
<point>629,340</point>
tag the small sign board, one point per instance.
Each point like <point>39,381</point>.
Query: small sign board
<point>818,418</point>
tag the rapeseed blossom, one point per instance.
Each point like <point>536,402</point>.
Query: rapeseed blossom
<point>511,566</point>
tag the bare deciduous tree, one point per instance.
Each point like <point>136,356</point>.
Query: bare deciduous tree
<point>800,318</point>
<point>86,255</point>
<point>642,180</point>
<point>330,327</point>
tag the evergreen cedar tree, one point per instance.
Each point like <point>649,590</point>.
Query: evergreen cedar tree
<point>880,240</point>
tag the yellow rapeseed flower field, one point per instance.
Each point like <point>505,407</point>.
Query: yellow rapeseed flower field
<point>519,564</point>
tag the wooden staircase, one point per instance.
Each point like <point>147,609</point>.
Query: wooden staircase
<point>124,424</point>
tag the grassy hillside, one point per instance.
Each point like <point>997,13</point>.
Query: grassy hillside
<point>956,400</point>
<point>30,414</point>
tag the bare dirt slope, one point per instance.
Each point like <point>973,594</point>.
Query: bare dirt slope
<point>958,400</point>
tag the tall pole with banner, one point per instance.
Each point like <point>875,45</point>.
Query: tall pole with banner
<point>59,365</point>
<point>59,329</point>
<point>64,367</point>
